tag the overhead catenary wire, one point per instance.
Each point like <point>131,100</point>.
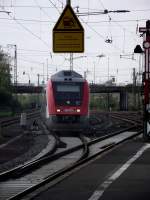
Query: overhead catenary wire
<point>93,54</point>
<point>100,35</point>
<point>28,30</point>
<point>41,63</point>
<point>83,21</point>
<point>55,6</point>
<point>90,27</point>
<point>51,7</point>
<point>89,22</point>
<point>118,23</point>
<point>28,20</point>
<point>104,12</point>
<point>62,4</point>
<point>41,9</point>
<point>102,4</point>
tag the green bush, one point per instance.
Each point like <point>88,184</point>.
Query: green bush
<point>5,97</point>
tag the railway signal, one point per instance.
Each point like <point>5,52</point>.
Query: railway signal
<point>146,79</point>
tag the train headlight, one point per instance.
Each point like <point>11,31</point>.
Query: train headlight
<point>78,110</point>
<point>58,110</point>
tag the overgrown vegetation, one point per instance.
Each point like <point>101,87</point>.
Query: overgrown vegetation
<point>104,102</point>
<point>8,104</point>
<point>29,101</point>
<point>111,102</point>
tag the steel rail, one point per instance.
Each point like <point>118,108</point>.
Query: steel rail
<point>24,168</point>
<point>71,166</point>
<point>2,184</point>
<point>33,165</point>
<point>49,157</point>
<point>61,174</point>
<point>14,120</point>
<point>127,119</point>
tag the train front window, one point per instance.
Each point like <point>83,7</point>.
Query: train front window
<point>68,94</point>
<point>68,88</point>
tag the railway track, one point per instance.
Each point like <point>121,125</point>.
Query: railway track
<point>95,149</point>
<point>36,174</point>
<point>14,120</point>
<point>133,118</point>
<point>29,178</point>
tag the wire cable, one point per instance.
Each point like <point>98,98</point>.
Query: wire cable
<point>28,20</point>
<point>101,36</point>
<point>89,22</point>
<point>28,30</point>
<point>45,13</point>
<point>55,6</point>
<point>119,24</point>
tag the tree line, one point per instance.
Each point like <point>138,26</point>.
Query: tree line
<point>6,94</point>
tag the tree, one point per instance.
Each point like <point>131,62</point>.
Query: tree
<point>5,80</point>
<point>7,101</point>
<point>5,77</point>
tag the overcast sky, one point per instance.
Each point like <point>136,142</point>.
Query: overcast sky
<point>30,25</point>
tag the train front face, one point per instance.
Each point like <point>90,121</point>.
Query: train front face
<point>68,101</point>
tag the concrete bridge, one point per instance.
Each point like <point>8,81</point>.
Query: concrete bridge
<point>94,88</point>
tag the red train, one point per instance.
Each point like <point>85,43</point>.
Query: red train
<point>66,102</point>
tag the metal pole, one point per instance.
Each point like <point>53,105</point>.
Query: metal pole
<point>47,69</point>
<point>108,68</point>
<point>139,79</point>
<point>38,79</point>
<point>43,73</point>
<point>134,85</point>
<point>15,66</point>
<point>29,78</point>
<point>38,98</point>
<point>94,73</point>
<point>69,2</point>
<point>108,83</point>
<point>71,61</point>
<point>85,74</point>
<point>146,134</point>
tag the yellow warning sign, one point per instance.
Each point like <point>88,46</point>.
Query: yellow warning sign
<point>68,33</point>
<point>68,42</point>
<point>68,21</point>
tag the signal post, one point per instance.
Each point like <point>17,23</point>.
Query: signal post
<point>146,80</point>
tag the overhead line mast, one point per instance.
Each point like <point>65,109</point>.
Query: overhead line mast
<point>71,54</point>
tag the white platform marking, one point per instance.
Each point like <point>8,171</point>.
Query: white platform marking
<point>101,188</point>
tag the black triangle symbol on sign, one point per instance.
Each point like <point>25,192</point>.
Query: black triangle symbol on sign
<point>68,21</point>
